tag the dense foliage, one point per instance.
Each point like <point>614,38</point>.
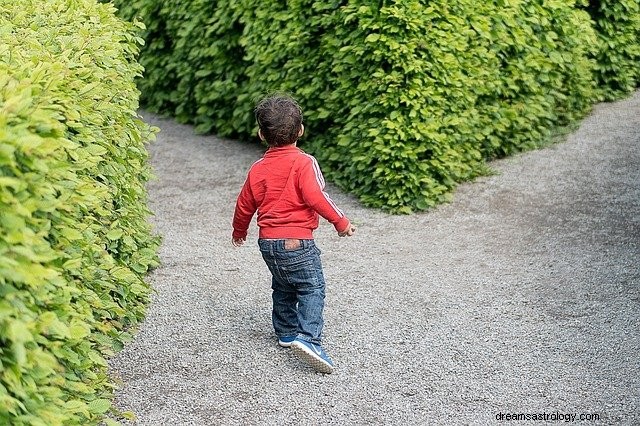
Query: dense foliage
<point>403,98</point>
<point>617,24</point>
<point>74,240</point>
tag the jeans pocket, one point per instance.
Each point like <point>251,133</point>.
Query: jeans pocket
<point>297,259</point>
<point>302,272</point>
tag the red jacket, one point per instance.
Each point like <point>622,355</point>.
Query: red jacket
<point>286,187</point>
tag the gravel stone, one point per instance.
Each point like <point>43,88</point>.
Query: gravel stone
<point>522,295</point>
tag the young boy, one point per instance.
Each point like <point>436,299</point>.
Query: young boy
<point>286,188</point>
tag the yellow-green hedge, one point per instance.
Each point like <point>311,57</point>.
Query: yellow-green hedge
<point>617,23</point>
<point>74,239</point>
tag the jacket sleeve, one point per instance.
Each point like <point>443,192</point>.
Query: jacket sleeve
<point>311,184</point>
<point>245,209</point>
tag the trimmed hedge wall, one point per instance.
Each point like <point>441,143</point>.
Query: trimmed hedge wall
<point>617,24</point>
<point>403,99</point>
<point>74,240</point>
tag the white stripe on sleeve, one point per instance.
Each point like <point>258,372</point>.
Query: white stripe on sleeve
<point>321,183</point>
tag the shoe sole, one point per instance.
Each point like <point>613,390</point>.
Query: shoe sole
<point>307,355</point>
<point>284,344</point>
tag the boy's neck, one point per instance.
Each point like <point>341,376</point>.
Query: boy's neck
<point>295,144</point>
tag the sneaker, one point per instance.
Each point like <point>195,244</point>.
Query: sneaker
<point>286,341</point>
<point>313,355</point>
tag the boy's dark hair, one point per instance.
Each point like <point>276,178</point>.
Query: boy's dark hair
<point>279,118</point>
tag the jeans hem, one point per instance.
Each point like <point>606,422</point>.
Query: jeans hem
<point>286,335</point>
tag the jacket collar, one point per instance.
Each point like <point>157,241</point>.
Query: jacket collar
<point>279,150</point>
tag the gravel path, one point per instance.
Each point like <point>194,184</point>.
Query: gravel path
<point>520,296</point>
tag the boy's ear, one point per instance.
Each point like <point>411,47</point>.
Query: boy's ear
<point>260,135</point>
<point>301,132</point>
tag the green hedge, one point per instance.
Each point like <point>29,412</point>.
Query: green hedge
<point>617,24</point>
<point>403,99</point>
<point>74,240</point>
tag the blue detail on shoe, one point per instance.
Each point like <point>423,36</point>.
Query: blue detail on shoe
<point>286,341</point>
<point>313,355</point>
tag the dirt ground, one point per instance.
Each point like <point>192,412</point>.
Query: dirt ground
<point>522,296</point>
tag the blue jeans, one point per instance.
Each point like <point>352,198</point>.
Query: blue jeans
<point>298,288</point>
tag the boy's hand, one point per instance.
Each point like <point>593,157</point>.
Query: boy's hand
<point>237,241</point>
<point>349,230</point>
